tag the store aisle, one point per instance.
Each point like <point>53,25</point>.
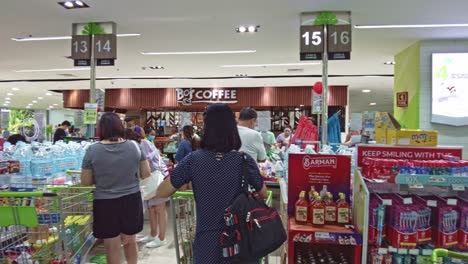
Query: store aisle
<point>162,255</point>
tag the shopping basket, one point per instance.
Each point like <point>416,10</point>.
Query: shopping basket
<point>439,253</point>
<point>45,227</point>
<point>184,219</point>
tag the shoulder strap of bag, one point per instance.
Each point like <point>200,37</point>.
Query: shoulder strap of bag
<point>139,155</point>
<point>245,173</point>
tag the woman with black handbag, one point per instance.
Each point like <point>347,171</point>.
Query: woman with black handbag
<point>216,173</point>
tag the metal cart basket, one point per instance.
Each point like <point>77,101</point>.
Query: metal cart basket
<point>45,227</point>
<point>184,219</point>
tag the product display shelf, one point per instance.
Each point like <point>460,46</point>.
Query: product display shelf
<point>360,211</point>
<point>326,234</point>
<point>432,180</point>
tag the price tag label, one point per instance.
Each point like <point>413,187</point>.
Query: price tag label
<point>432,203</point>
<point>322,235</point>
<point>458,187</point>
<point>403,251</point>
<point>427,252</point>
<point>452,201</point>
<point>414,251</point>
<point>416,186</point>
<point>383,251</point>
<point>408,200</point>
<point>387,202</point>
<point>392,249</point>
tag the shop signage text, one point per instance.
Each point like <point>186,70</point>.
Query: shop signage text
<point>189,96</point>
<point>311,161</point>
<point>402,99</point>
<point>410,153</point>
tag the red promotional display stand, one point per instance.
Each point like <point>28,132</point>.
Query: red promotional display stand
<point>324,173</point>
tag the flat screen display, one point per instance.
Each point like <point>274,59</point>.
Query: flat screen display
<point>450,88</point>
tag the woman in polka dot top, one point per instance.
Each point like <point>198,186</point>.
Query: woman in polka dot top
<point>215,172</point>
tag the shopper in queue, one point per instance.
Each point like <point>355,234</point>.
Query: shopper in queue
<point>252,141</point>
<point>156,206</point>
<point>113,165</point>
<point>215,172</point>
<point>191,143</point>
<point>61,131</point>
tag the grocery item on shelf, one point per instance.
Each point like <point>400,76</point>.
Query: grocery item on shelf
<point>302,209</point>
<point>318,212</point>
<point>343,210</point>
<point>387,169</point>
<point>330,209</point>
<point>25,167</point>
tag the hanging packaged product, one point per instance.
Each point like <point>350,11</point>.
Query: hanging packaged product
<point>445,217</point>
<point>343,209</point>
<point>302,205</point>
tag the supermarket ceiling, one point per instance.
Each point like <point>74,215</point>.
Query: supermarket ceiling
<point>209,25</point>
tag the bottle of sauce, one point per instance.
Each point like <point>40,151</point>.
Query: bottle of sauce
<point>318,212</point>
<point>330,209</point>
<point>343,209</point>
<point>311,193</point>
<point>312,201</point>
<point>302,209</point>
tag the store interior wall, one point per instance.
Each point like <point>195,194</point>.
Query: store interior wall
<point>407,79</point>
<point>58,116</point>
<point>448,135</point>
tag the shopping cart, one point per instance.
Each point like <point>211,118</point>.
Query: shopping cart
<point>439,253</point>
<point>184,219</point>
<point>52,227</point>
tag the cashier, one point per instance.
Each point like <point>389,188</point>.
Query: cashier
<point>285,138</point>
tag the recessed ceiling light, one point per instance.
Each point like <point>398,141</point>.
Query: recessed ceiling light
<point>55,104</point>
<point>54,70</point>
<point>50,106</point>
<point>66,37</point>
<point>199,52</point>
<point>40,98</point>
<point>241,75</point>
<point>366,91</point>
<point>301,106</point>
<point>249,29</point>
<point>7,102</point>
<point>30,104</point>
<point>15,89</point>
<point>410,26</point>
<point>271,65</point>
<point>48,94</point>
<point>389,63</point>
<point>34,102</point>
<point>241,29</point>
<point>372,103</point>
<point>7,98</point>
<point>10,94</point>
<point>156,67</point>
<point>73,4</point>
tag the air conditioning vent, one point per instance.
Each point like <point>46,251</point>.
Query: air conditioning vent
<point>66,75</point>
<point>296,70</point>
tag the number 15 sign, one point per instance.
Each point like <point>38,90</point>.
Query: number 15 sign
<point>338,42</point>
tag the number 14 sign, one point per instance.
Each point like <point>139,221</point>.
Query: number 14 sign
<point>313,44</point>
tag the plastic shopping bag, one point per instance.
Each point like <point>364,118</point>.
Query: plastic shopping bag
<point>151,184</point>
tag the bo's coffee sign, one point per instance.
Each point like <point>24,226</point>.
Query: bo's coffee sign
<point>189,96</point>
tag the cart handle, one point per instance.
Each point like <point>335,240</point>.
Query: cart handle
<point>189,194</point>
<point>26,194</point>
<point>440,252</point>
